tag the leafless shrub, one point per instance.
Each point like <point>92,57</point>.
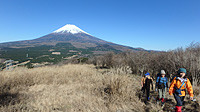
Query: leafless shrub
<point>141,62</point>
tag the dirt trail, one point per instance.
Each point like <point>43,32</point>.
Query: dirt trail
<point>189,106</point>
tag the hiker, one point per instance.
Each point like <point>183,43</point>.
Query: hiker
<point>148,82</point>
<point>178,88</point>
<point>161,84</point>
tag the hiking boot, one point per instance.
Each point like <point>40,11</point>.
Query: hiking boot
<point>163,100</point>
<point>178,108</point>
<point>148,98</point>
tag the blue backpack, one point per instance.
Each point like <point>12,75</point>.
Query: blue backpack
<point>162,85</point>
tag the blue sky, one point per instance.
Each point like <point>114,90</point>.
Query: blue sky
<point>150,24</point>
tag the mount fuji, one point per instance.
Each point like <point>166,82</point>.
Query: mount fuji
<point>69,34</point>
<point>67,41</point>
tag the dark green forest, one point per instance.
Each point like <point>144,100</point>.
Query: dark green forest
<point>43,53</point>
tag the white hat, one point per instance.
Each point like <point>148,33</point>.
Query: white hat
<point>162,72</point>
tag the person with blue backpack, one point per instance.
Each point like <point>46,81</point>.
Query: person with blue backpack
<point>162,86</point>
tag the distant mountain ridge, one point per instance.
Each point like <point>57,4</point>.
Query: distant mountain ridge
<point>68,33</point>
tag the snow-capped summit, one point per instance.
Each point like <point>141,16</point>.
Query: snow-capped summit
<point>69,28</point>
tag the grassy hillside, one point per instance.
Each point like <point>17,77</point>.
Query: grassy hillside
<point>67,88</point>
<point>70,88</point>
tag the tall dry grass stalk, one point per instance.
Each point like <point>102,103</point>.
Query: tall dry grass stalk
<point>68,88</point>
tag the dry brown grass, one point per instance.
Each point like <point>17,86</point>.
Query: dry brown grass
<point>68,88</point>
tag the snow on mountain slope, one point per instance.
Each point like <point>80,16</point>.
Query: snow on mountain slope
<point>69,28</point>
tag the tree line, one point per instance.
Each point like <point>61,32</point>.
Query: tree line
<point>141,62</point>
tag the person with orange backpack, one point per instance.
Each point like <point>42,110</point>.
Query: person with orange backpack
<point>178,88</point>
<point>146,82</point>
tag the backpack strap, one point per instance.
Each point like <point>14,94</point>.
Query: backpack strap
<point>185,80</point>
<point>182,84</point>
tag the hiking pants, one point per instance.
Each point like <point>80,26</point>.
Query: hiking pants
<point>161,93</point>
<point>148,93</point>
<point>179,99</point>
